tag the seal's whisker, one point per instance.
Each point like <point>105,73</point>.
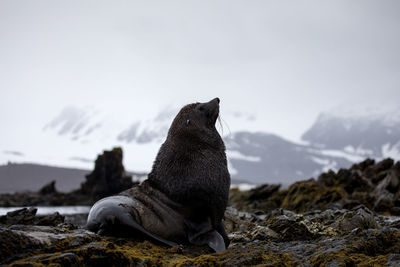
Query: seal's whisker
<point>221,121</point>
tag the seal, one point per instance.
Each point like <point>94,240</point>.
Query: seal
<point>184,198</point>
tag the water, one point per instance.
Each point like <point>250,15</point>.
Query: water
<point>71,210</point>
<point>64,210</point>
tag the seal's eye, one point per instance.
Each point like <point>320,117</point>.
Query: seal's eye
<point>187,122</point>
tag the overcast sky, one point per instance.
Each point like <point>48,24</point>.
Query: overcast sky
<point>281,61</point>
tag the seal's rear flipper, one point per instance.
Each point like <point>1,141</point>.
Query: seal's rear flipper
<point>127,220</point>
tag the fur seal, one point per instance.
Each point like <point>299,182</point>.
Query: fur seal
<point>184,198</point>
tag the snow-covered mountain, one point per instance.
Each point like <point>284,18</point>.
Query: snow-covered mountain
<point>336,140</point>
<point>366,131</point>
<point>261,157</point>
<point>90,125</point>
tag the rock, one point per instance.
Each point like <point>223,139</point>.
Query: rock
<point>48,189</point>
<point>360,217</point>
<point>300,195</point>
<point>393,260</point>
<point>307,195</point>
<point>108,177</point>
<point>263,192</point>
<point>374,185</point>
<point>362,166</point>
<point>21,241</point>
<point>349,180</point>
<point>332,221</point>
<point>290,228</point>
<point>377,242</point>
<point>21,216</point>
<point>378,171</point>
<point>298,240</point>
<point>393,178</point>
<point>237,221</point>
<point>264,233</point>
<point>28,216</point>
<point>384,201</point>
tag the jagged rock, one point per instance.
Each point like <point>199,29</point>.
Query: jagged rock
<point>376,186</point>
<point>361,218</point>
<point>21,216</point>
<point>349,180</point>
<point>28,216</point>
<point>307,195</point>
<point>363,165</point>
<point>108,177</point>
<point>289,228</point>
<point>264,233</point>
<point>237,221</point>
<point>48,189</point>
<point>378,171</point>
<point>263,191</point>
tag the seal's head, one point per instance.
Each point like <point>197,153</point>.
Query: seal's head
<point>197,122</point>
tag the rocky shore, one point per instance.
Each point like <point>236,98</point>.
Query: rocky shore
<point>334,237</point>
<point>344,218</point>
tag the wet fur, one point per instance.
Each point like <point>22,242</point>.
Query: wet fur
<point>191,166</point>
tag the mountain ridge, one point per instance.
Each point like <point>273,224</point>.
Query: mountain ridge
<point>335,140</point>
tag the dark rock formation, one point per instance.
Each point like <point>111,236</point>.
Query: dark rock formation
<point>374,185</point>
<point>108,177</point>
<point>48,189</point>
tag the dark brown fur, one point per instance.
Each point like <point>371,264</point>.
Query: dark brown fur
<point>185,196</point>
<point>191,166</point>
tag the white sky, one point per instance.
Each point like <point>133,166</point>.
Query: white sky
<point>282,61</point>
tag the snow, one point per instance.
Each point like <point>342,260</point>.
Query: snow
<point>389,151</point>
<point>326,164</point>
<point>332,165</point>
<point>389,113</point>
<point>337,154</point>
<point>358,150</point>
<point>320,161</point>
<point>233,154</point>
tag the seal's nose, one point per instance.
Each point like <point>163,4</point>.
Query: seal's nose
<point>216,99</point>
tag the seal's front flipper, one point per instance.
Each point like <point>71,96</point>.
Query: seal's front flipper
<point>221,230</point>
<point>213,239</point>
<point>202,233</point>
